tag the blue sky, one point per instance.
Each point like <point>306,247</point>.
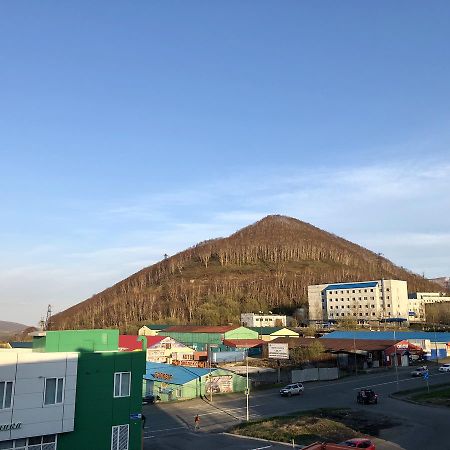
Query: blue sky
<point>133,129</point>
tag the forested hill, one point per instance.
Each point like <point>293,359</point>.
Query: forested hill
<point>265,266</point>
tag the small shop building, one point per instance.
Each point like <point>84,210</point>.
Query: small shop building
<point>270,333</point>
<point>151,329</point>
<point>162,349</point>
<point>169,382</point>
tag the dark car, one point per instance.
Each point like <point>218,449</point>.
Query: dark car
<point>359,443</point>
<point>367,397</point>
<point>150,398</point>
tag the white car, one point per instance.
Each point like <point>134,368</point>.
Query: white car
<point>444,368</point>
<point>292,389</point>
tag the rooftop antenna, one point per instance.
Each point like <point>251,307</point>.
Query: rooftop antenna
<point>48,318</point>
<point>380,265</point>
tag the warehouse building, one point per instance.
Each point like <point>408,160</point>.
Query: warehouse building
<point>72,390</point>
<point>201,338</point>
<point>435,345</point>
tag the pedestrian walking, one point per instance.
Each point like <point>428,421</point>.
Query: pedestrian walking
<point>197,422</point>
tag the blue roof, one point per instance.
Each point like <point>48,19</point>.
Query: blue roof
<point>27,344</point>
<point>172,374</point>
<point>368,284</point>
<point>433,337</point>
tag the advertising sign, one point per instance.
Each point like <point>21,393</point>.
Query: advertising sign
<point>220,384</point>
<point>278,351</point>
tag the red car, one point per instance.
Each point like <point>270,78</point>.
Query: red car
<point>359,443</point>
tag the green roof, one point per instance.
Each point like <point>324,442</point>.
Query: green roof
<point>266,330</point>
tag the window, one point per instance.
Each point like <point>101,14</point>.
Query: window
<point>6,388</point>
<point>119,437</point>
<point>53,393</point>
<point>331,307</point>
<point>33,443</point>
<point>122,384</point>
<point>178,393</point>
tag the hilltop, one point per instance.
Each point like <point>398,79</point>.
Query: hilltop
<point>267,265</point>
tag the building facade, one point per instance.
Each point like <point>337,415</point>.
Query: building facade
<point>417,302</point>
<point>366,301</point>
<point>73,390</point>
<point>262,320</point>
<point>170,382</point>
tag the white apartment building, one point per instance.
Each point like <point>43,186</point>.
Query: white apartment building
<point>262,320</point>
<point>37,398</point>
<point>417,302</point>
<point>364,301</point>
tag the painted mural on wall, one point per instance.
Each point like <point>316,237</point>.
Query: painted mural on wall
<point>220,384</point>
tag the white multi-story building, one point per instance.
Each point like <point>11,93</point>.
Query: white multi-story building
<point>262,320</point>
<point>37,397</point>
<point>417,302</point>
<point>363,301</point>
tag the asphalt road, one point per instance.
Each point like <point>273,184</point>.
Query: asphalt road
<point>170,426</point>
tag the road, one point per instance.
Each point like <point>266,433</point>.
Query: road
<point>169,426</point>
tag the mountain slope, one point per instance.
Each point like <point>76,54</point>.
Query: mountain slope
<point>11,327</point>
<point>267,265</point>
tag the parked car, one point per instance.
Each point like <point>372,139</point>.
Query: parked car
<point>444,368</point>
<point>367,397</point>
<point>150,398</point>
<point>420,371</point>
<point>292,389</point>
<point>359,443</point>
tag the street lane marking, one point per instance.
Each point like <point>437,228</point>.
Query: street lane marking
<point>261,448</point>
<point>391,382</point>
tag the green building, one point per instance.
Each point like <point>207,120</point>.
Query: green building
<point>200,337</point>
<point>80,392</point>
<point>170,382</point>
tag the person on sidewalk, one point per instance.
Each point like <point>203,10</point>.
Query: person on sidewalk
<point>197,422</point>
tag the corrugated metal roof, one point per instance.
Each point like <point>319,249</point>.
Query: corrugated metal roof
<point>172,374</point>
<point>27,344</point>
<point>131,342</point>
<point>368,345</point>
<point>389,335</point>
<point>243,343</point>
<point>266,330</point>
<point>368,284</point>
<point>200,329</point>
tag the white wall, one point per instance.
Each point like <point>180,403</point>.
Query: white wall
<point>28,371</point>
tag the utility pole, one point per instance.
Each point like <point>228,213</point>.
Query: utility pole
<point>395,360</point>
<point>210,375</point>
<point>247,390</point>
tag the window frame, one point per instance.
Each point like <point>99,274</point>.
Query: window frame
<point>2,406</point>
<point>121,395</point>
<point>56,391</point>
<point>118,427</point>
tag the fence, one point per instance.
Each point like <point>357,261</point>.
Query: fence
<point>315,374</point>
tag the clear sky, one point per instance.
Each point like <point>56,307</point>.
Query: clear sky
<point>133,129</point>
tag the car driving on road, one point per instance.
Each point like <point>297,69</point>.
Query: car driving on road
<point>292,389</point>
<point>420,371</point>
<point>444,368</point>
<point>367,397</point>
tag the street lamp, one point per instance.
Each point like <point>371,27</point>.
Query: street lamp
<point>247,390</point>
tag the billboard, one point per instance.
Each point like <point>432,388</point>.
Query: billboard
<point>278,351</point>
<point>219,384</point>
